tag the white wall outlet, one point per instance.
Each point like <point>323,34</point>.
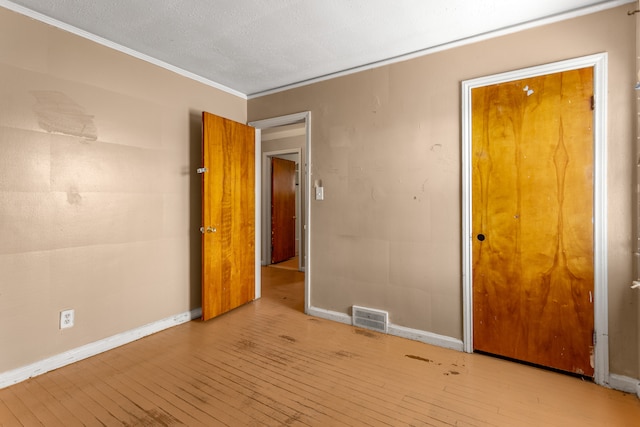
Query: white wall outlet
<point>67,318</point>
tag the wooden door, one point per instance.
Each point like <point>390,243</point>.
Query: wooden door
<point>532,210</point>
<point>228,215</point>
<point>283,210</point>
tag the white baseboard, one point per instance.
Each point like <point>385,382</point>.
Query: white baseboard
<point>426,337</point>
<point>623,383</point>
<point>21,374</point>
<point>400,331</point>
<point>329,315</point>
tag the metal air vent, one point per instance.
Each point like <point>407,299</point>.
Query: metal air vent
<point>370,318</point>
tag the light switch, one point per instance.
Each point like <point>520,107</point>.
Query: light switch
<point>319,193</point>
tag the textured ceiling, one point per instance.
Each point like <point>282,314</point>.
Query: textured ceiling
<point>254,46</point>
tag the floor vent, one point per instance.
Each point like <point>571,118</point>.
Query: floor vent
<point>370,318</point>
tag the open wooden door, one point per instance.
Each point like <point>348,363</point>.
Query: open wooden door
<point>228,215</point>
<point>532,210</point>
<point>283,210</point>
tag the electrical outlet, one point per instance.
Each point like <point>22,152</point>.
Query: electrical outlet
<point>67,318</point>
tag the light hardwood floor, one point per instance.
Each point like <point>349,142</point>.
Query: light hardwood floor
<point>290,264</point>
<point>267,363</point>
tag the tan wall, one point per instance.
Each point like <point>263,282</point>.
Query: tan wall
<point>386,145</point>
<point>99,200</point>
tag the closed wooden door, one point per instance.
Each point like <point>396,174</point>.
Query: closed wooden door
<point>532,209</point>
<point>283,209</point>
<point>228,215</point>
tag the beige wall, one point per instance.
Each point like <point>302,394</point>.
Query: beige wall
<point>386,145</point>
<point>99,200</point>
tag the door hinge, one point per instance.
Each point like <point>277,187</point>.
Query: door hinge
<point>202,170</point>
<point>593,102</point>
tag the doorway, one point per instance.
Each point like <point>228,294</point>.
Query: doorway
<point>470,238</point>
<point>267,126</point>
<point>283,209</point>
<point>293,155</point>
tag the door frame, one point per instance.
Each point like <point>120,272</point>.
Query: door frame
<point>290,119</point>
<point>266,202</point>
<point>601,323</point>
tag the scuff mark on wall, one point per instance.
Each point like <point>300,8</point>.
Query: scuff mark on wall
<point>73,196</point>
<point>375,106</point>
<point>57,113</point>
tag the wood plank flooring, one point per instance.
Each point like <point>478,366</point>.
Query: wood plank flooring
<point>267,363</point>
<point>290,264</point>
